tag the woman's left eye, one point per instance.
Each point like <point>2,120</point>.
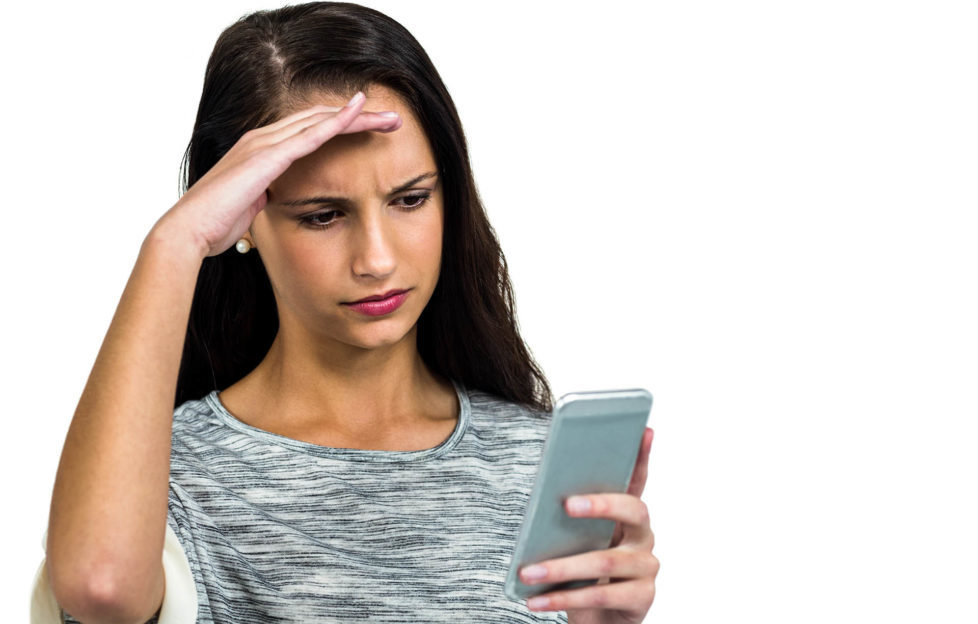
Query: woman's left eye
<point>414,201</point>
<point>323,220</point>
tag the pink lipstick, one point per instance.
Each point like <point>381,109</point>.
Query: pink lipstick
<point>379,305</point>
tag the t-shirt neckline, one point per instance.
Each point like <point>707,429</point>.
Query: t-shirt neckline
<point>367,455</point>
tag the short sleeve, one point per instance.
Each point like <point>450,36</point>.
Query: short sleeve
<point>179,597</point>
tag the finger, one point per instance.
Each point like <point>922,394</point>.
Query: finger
<point>634,597</point>
<point>304,116</point>
<point>641,472</point>
<point>613,562</point>
<point>347,121</point>
<point>269,136</point>
<point>380,122</point>
<point>294,124</point>
<point>385,122</point>
<point>311,137</point>
<point>294,117</point>
<point>627,509</point>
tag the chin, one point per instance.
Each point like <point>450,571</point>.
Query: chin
<point>380,339</point>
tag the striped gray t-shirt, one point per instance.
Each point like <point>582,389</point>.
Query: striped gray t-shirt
<point>279,530</point>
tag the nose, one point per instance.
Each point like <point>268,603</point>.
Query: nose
<point>373,250</point>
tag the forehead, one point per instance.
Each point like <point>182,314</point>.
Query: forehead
<point>362,162</point>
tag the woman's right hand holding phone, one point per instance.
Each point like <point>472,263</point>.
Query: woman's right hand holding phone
<point>220,207</point>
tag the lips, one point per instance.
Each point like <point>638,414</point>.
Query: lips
<point>381,297</point>
<point>379,305</point>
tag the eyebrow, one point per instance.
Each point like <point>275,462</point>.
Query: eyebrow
<point>306,201</point>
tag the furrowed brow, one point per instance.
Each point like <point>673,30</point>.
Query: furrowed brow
<point>306,201</point>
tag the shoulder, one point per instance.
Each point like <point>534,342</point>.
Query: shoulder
<point>198,427</point>
<point>504,408</point>
<point>195,411</point>
<point>503,419</point>
<point>198,405</point>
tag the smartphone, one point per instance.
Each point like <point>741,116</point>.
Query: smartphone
<point>591,448</point>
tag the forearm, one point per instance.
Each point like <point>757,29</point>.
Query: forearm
<point>109,505</point>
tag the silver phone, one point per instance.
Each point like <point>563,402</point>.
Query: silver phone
<point>591,448</point>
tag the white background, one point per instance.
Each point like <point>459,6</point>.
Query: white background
<point>764,212</point>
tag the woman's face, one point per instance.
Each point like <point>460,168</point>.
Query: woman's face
<point>383,213</point>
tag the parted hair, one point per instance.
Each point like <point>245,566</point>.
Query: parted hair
<point>260,68</point>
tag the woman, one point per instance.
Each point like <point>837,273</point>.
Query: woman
<point>357,420</point>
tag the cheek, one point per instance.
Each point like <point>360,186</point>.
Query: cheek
<point>428,238</point>
<point>293,262</point>
<point>308,261</point>
<point>428,241</point>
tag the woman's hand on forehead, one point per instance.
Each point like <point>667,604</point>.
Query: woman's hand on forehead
<point>219,208</point>
<point>365,120</point>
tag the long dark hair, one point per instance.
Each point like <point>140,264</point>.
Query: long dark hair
<point>261,66</point>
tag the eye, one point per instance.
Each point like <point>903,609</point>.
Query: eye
<point>314,219</point>
<point>413,202</point>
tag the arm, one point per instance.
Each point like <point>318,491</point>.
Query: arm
<point>109,505</point>
<point>108,510</point>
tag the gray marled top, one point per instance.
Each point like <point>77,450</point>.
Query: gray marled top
<point>279,530</point>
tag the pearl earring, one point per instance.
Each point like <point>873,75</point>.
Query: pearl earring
<point>242,246</point>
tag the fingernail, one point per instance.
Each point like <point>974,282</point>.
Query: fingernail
<point>534,572</point>
<point>388,114</point>
<point>578,504</point>
<point>355,99</point>
<point>539,602</point>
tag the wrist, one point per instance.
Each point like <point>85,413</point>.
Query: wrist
<point>174,239</point>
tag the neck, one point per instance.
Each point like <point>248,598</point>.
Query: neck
<point>344,388</point>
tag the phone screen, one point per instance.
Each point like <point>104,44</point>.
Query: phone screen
<point>591,448</point>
